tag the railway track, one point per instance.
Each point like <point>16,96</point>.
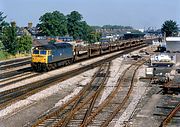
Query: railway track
<point>15,94</point>
<point>17,78</point>
<point>167,111</point>
<point>83,111</point>
<point>10,96</point>
<point>13,65</point>
<point>86,97</point>
<point>114,103</point>
<point>169,117</point>
<point>14,61</point>
<point>13,73</point>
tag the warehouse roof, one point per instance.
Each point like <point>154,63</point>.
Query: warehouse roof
<point>173,39</point>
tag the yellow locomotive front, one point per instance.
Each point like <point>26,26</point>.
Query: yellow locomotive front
<point>39,56</point>
<point>39,59</point>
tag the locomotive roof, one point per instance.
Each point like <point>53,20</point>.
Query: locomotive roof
<point>54,46</point>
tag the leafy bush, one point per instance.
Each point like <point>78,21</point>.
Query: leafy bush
<point>4,55</point>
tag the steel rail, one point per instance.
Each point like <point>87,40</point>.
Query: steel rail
<point>105,124</point>
<point>13,77</point>
<point>22,63</point>
<point>170,116</point>
<point>109,98</point>
<point>15,72</point>
<point>64,122</point>
<point>12,81</point>
<point>73,100</point>
<point>12,95</point>
<point>14,61</point>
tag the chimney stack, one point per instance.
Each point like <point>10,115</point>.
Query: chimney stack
<point>30,24</point>
<point>13,24</point>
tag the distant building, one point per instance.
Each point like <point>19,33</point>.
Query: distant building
<point>173,44</point>
<point>141,30</point>
<point>113,31</point>
<point>13,23</point>
<point>178,31</point>
<point>110,38</point>
<point>133,35</point>
<point>33,31</point>
<point>21,31</point>
<point>44,40</point>
<point>30,24</point>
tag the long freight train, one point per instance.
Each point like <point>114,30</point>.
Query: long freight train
<point>50,56</point>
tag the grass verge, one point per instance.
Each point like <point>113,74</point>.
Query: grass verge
<point>5,55</point>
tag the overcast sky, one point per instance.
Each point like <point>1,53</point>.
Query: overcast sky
<point>136,13</point>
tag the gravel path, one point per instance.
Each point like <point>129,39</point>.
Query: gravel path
<point>115,71</point>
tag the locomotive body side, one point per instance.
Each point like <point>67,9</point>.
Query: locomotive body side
<point>62,51</point>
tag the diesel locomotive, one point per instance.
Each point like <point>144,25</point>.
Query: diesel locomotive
<point>47,57</point>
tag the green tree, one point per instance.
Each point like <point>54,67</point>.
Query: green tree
<point>24,43</point>
<point>116,27</point>
<point>1,45</point>
<point>53,24</point>
<point>79,29</point>
<point>170,27</point>
<point>84,30</point>
<point>9,39</point>
<point>2,23</point>
<point>56,24</point>
<point>94,37</point>
<point>74,24</point>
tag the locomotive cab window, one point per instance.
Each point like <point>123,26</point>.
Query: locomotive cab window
<point>36,52</point>
<point>43,52</point>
